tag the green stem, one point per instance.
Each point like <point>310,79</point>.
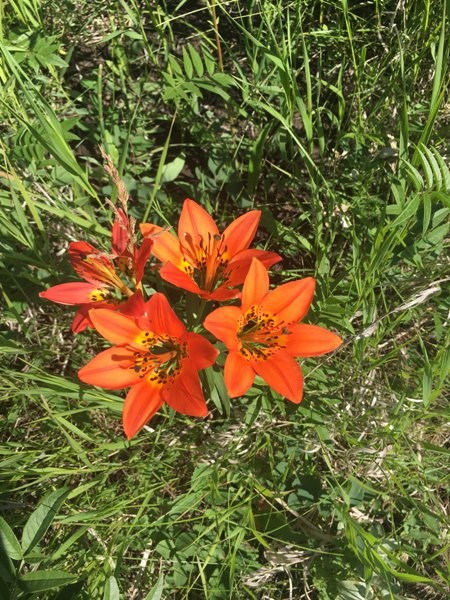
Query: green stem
<point>201,310</point>
<point>216,31</point>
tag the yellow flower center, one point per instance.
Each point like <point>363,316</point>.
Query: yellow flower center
<point>161,362</point>
<point>102,268</point>
<point>207,261</point>
<point>112,296</point>
<point>260,335</point>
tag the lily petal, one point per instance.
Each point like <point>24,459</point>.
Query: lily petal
<point>120,235</point>
<point>290,302</point>
<point>162,317</point>
<point>186,395</point>
<point>70,293</point>
<point>311,340</point>
<point>141,403</point>
<point>141,257</point>
<point>169,272</point>
<point>202,353</point>
<point>256,285</point>
<point>90,263</point>
<point>166,246</point>
<point>135,306</point>
<point>239,234</point>
<point>239,265</point>
<point>80,320</point>
<point>196,223</point>
<point>116,328</point>
<point>221,294</point>
<point>238,375</point>
<point>150,230</point>
<point>282,373</point>
<point>109,369</point>
<point>223,323</point>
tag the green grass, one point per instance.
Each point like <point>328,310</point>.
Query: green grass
<point>332,117</point>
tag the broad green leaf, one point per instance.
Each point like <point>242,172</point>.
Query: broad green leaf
<point>133,35</point>
<point>9,542</point>
<point>39,581</point>
<point>111,591</point>
<point>4,591</point>
<point>223,79</point>
<point>7,569</point>
<point>172,169</point>
<point>41,518</point>
<point>175,66</point>
<point>352,590</point>
<point>156,592</point>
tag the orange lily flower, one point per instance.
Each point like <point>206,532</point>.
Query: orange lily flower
<point>204,261</point>
<point>264,335</point>
<point>108,277</point>
<point>155,355</point>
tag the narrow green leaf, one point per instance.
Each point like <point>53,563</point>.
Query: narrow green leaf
<point>437,175</point>
<point>39,581</point>
<point>307,123</point>
<point>41,518</point>
<point>53,135</point>
<point>276,60</point>
<point>255,159</point>
<point>159,172</point>
<point>196,61</point>
<point>426,213</point>
<point>440,79</point>
<point>427,384</point>
<point>273,112</point>
<point>175,67</point>
<point>410,209</point>
<point>68,543</point>
<point>9,542</point>
<point>445,171</point>
<point>210,63</point>
<point>188,67</point>
<point>214,89</point>
<point>428,171</point>
<point>413,175</point>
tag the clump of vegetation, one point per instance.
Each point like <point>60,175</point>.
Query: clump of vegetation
<point>332,118</point>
